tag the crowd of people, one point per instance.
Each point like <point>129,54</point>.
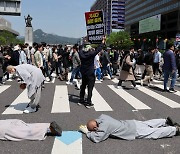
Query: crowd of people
<point>108,61</point>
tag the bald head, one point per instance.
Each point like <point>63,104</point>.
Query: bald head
<point>10,69</point>
<point>92,125</point>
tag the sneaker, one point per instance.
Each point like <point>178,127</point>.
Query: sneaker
<point>172,89</point>
<point>77,84</point>
<point>89,105</point>
<point>81,102</point>
<point>141,82</point>
<point>119,87</point>
<point>149,84</point>
<point>136,87</point>
<point>56,130</point>
<point>43,86</point>
<point>166,90</point>
<point>112,78</point>
<point>69,83</point>
<point>29,110</point>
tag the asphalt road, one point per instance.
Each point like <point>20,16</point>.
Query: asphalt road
<point>80,115</point>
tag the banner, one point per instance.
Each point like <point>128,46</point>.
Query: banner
<point>95,26</point>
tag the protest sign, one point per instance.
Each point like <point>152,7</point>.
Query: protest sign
<point>95,26</point>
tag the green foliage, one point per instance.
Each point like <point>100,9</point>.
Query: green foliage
<point>7,38</point>
<point>119,40</point>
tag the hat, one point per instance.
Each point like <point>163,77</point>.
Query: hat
<point>16,47</point>
<point>108,48</point>
<point>88,47</point>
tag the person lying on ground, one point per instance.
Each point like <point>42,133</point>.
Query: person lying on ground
<point>100,129</point>
<point>18,130</point>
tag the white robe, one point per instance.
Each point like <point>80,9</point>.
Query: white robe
<point>17,130</point>
<point>31,75</point>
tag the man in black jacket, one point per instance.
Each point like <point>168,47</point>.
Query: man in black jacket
<point>87,71</point>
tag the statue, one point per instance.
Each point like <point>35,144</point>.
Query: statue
<point>28,21</point>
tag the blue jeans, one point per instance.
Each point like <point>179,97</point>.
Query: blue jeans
<point>104,69</point>
<point>97,72</point>
<point>168,73</point>
<point>74,72</point>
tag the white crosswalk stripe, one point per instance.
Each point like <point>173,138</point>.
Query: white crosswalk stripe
<point>3,88</point>
<point>99,103</point>
<point>61,100</point>
<point>160,98</point>
<point>131,100</point>
<point>18,105</point>
<point>162,87</point>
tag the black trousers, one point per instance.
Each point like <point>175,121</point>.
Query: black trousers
<point>156,68</point>
<point>87,80</point>
<point>132,81</point>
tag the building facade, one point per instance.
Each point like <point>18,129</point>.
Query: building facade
<point>10,7</point>
<point>114,14</point>
<point>168,10</point>
<point>6,26</point>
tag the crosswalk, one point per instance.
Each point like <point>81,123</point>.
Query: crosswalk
<point>61,102</point>
<point>71,141</point>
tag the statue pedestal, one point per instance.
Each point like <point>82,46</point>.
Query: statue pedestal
<point>29,35</point>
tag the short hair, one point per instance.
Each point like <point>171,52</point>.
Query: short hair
<point>75,47</point>
<point>169,44</point>
<point>39,46</point>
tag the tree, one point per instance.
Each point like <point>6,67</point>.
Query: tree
<point>2,40</point>
<point>120,40</point>
<point>7,38</point>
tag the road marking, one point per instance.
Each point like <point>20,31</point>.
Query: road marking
<point>99,103</point>
<point>131,100</point>
<point>157,81</point>
<point>69,143</point>
<point>3,88</point>
<point>162,87</point>
<point>18,105</point>
<point>160,98</point>
<point>61,100</point>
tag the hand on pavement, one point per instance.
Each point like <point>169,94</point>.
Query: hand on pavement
<point>83,129</point>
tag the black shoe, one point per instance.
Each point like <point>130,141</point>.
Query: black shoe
<point>177,131</point>
<point>170,122</point>
<point>172,89</point>
<point>166,90</point>
<point>56,130</point>
<point>81,102</point>
<point>89,105</point>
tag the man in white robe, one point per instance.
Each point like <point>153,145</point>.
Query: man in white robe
<point>18,130</point>
<point>105,126</point>
<point>33,78</point>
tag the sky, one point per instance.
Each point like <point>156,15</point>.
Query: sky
<point>60,17</point>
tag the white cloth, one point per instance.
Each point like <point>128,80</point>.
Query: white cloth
<point>96,61</point>
<point>17,130</point>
